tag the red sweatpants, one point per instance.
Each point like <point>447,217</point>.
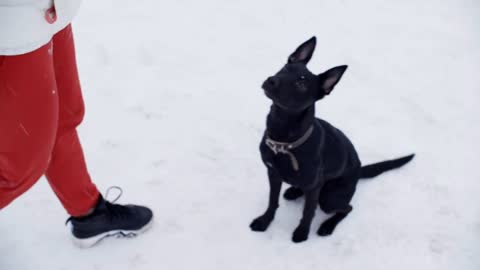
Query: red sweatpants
<point>40,107</point>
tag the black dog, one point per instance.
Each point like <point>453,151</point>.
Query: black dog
<point>311,155</point>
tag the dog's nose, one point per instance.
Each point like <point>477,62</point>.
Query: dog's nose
<point>273,82</point>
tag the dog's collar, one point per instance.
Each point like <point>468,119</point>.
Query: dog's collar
<point>286,147</point>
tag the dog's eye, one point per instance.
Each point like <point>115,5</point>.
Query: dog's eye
<point>302,78</point>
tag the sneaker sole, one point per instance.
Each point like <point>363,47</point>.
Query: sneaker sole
<point>84,243</point>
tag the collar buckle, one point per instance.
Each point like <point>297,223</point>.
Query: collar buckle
<point>285,148</point>
<point>277,147</point>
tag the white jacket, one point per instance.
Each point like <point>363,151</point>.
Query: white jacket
<point>24,24</point>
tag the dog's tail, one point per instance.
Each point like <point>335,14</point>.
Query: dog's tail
<point>376,169</point>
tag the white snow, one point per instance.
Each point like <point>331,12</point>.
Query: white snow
<point>175,114</point>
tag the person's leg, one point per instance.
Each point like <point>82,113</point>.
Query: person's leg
<point>93,218</point>
<point>28,120</point>
<point>67,172</point>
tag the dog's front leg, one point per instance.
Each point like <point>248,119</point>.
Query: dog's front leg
<point>261,223</point>
<point>311,201</point>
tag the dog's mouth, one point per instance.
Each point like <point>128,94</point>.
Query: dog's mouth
<point>267,90</point>
<point>264,86</point>
<point>267,93</point>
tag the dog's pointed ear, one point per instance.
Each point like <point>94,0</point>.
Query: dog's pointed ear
<point>304,53</point>
<point>330,78</point>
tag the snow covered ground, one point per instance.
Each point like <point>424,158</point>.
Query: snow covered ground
<point>175,113</point>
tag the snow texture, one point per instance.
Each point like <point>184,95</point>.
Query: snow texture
<point>175,114</point>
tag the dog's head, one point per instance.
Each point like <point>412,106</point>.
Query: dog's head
<point>294,88</point>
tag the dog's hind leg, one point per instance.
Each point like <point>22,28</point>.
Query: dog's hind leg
<point>328,226</point>
<point>292,193</point>
<point>335,198</point>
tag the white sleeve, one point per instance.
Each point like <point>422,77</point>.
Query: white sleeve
<point>24,28</point>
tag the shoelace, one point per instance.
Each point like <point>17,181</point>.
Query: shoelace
<point>116,210</point>
<point>120,190</point>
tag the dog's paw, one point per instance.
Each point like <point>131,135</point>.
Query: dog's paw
<point>260,224</point>
<point>300,235</point>
<point>292,193</point>
<point>326,228</point>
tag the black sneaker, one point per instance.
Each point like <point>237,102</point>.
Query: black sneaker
<point>109,219</point>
